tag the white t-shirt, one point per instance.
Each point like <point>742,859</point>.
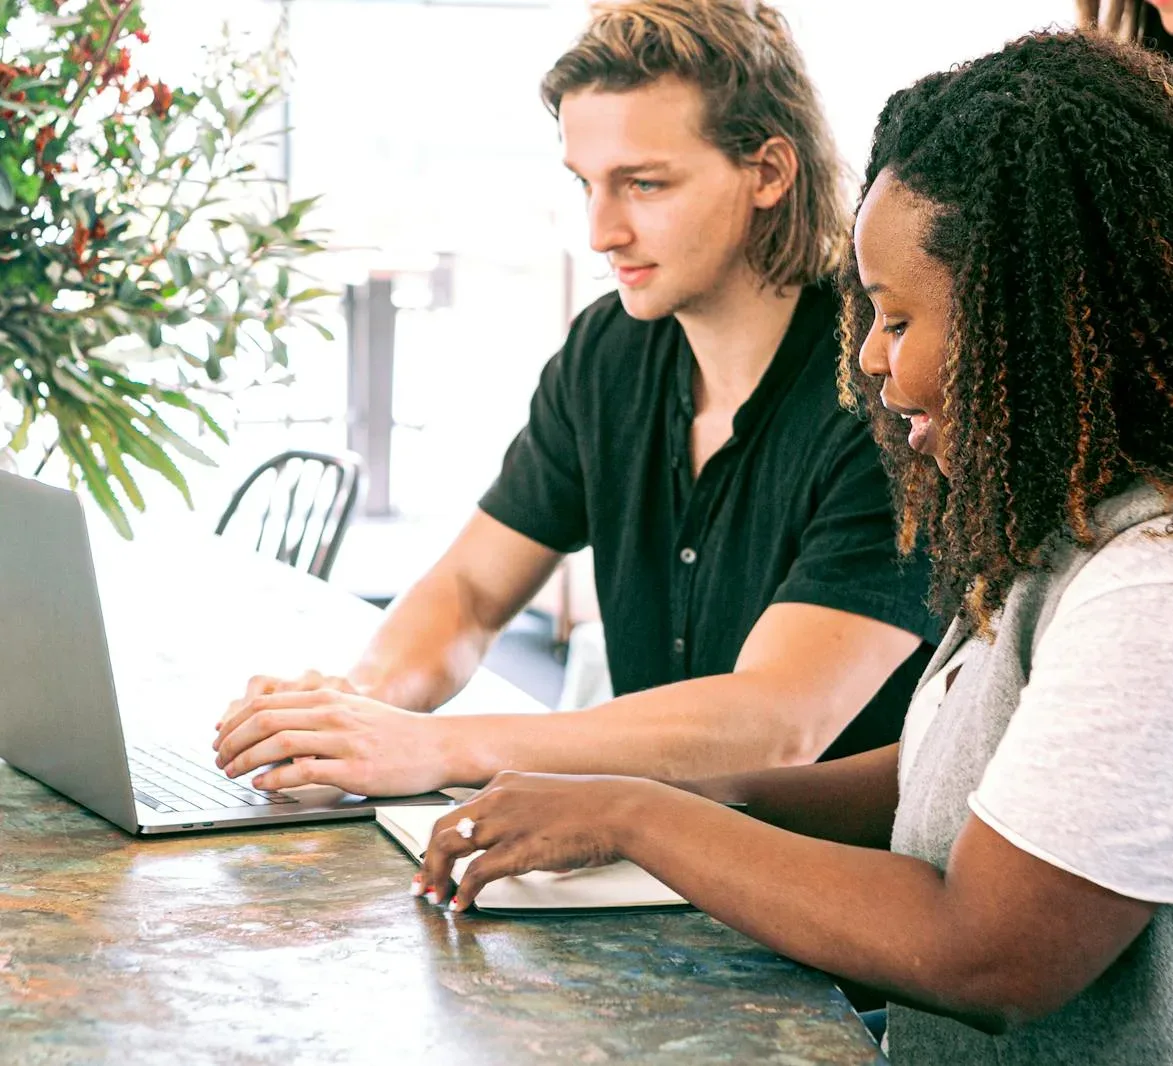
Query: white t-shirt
<point>1083,776</point>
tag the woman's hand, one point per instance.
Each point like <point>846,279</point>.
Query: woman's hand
<point>526,822</point>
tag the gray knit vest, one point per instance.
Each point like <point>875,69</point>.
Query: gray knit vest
<point>1126,1017</point>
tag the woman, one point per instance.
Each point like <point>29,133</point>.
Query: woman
<point>1004,876</point>
<point>1148,22</point>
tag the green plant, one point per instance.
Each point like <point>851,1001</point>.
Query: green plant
<point>133,212</point>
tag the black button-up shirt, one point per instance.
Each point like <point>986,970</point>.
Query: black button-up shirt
<point>795,507</point>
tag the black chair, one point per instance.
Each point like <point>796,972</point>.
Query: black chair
<point>299,503</point>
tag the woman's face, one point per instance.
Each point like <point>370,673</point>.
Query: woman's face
<point>912,296</point>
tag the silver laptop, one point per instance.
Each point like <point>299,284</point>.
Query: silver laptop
<point>59,717</point>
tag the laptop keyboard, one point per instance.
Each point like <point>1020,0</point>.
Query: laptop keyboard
<point>166,781</point>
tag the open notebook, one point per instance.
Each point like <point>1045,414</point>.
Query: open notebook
<point>621,884</point>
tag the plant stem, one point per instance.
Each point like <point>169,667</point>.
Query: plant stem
<point>115,29</point>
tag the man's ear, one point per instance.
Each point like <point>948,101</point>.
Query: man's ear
<point>776,165</point>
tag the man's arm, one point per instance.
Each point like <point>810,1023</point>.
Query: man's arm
<point>435,635</point>
<point>803,674</point>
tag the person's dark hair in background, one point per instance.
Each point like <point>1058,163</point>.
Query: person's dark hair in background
<point>1059,369</point>
<point>1148,22</point>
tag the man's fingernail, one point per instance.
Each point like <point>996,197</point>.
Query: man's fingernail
<point>433,896</point>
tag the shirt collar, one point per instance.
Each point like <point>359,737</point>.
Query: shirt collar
<point>780,375</point>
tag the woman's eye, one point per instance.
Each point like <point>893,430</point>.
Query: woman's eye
<point>896,329</point>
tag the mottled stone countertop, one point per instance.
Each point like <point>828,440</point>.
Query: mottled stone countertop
<point>301,946</point>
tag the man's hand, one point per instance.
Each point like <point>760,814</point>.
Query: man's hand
<point>265,685</point>
<point>334,738</point>
<point>526,822</point>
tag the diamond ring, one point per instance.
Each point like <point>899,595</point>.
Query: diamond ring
<point>465,828</point>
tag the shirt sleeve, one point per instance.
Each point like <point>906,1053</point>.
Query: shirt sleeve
<point>539,492</point>
<point>847,557</point>
<point>1083,776</point>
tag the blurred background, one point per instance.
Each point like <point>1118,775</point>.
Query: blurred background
<point>461,239</point>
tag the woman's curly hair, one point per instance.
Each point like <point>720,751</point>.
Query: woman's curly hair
<point>1050,164</point>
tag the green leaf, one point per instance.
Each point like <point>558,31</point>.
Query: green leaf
<point>209,143</point>
<point>7,193</point>
<point>155,334</point>
<point>311,294</point>
<point>180,268</point>
<point>20,438</point>
<point>140,447</point>
<point>107,441</point>
<point>159,429</point>
<point>283,282</point>
<point>77,450</point>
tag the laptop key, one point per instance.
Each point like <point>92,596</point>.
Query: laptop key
<point>150,801</point>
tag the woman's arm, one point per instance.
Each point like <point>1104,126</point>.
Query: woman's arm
<point>852,800</point>
<point>998,938</point>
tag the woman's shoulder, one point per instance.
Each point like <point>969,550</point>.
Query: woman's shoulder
<point>1138,557</point>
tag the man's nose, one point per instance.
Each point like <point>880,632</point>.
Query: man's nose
<point>609,228</point>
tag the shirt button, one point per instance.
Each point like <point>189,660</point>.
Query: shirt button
<point>688,557</point>
<point>678,645</point>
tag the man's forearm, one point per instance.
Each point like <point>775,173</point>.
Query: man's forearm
<point>732,723</point>
<point>428,645</point>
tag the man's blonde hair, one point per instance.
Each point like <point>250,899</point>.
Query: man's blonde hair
<point>755,86</point>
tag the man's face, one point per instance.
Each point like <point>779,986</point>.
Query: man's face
<point>666,207</point>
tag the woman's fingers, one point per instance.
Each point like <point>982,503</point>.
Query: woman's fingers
<point>506,860</point>
<point>455,836</point>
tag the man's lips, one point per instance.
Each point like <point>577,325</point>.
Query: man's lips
<point>633,275</point>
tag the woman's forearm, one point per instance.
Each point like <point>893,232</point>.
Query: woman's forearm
<point>878,919</point>
<point>852,800</point>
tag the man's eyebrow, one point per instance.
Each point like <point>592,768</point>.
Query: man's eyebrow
<point>649,166</point>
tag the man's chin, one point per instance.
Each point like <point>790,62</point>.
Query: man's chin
<point>643,305</point>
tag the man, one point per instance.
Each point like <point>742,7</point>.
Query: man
<point>754,610</point>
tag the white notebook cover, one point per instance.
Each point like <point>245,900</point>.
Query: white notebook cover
<point>622,884</point>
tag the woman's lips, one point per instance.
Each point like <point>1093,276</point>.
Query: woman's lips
<point>632,277</point>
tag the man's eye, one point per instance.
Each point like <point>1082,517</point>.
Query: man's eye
<point>639,185</point>
<point>896,329</point>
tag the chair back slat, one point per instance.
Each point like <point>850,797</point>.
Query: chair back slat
<point>299,503</point>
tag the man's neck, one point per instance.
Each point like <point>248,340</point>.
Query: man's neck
<point>734,338</point>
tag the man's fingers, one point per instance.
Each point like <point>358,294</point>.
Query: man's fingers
<point>289,700</point>
<point>267,684</point>
<point>269,723</point>
<point>301,772</point>
<point>288,744</point>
